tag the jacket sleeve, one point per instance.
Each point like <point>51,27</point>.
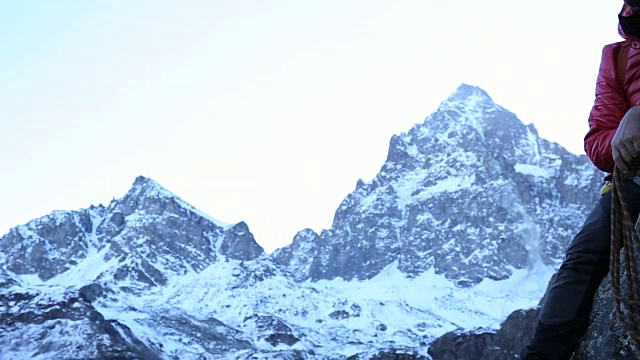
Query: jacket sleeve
<point>608,109</point>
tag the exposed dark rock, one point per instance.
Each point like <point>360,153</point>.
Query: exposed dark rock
<point>65,326</point>
<point>278,331</point>
<point>269,323</point>
<point>28,247</point>
<point>455,346</point>
<point>605,338</point>
<point>280,338</point>
<point>505,344</point>
<point>238,243</point>
<point>339,314</point>
<point>91,292</point>
<point>299,255</point>
<point>512,336</point>
<point>392,354</point>
<point>248,273</point>
<point>211,334</point>
<point>117,219</point>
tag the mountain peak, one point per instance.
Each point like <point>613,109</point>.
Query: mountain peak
<point>469,99</point>
<point>146,188</point>
<point>141,181</point>
<point>469,106</point>
<point>466,92</point>
<point>146,195</point>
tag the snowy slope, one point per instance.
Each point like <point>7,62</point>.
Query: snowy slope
<point>464,224</point>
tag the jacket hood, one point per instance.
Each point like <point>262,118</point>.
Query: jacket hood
<point>626,11</point>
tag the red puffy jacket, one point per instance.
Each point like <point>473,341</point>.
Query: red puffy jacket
<point>610,104</point>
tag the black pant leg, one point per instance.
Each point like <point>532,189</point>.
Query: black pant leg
<point>564,316</point>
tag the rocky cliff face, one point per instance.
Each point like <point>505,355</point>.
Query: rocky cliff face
<point>471,192</point>
<point>483,344</point>
<point>61,325</point>
<point>605,338</point>
<point>463,225</point>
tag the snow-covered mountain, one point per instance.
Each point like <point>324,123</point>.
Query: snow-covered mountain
<point>465,223</point>
<point>471,192</point>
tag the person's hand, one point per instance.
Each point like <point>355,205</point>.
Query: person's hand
<point>625,146</point>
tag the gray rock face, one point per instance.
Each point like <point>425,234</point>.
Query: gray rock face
<point>64,326</point>
<point>605,338</point>
<point>300,255</point>
<point>238,243</point>
<point>393,354</point>
<point>471,192</point>
<point>28,248</point>
<point>274,330</point>
<point>487,345</point>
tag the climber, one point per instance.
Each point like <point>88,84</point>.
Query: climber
<point>613,139</point>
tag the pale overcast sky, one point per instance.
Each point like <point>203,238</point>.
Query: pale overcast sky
<point>266,112</point>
